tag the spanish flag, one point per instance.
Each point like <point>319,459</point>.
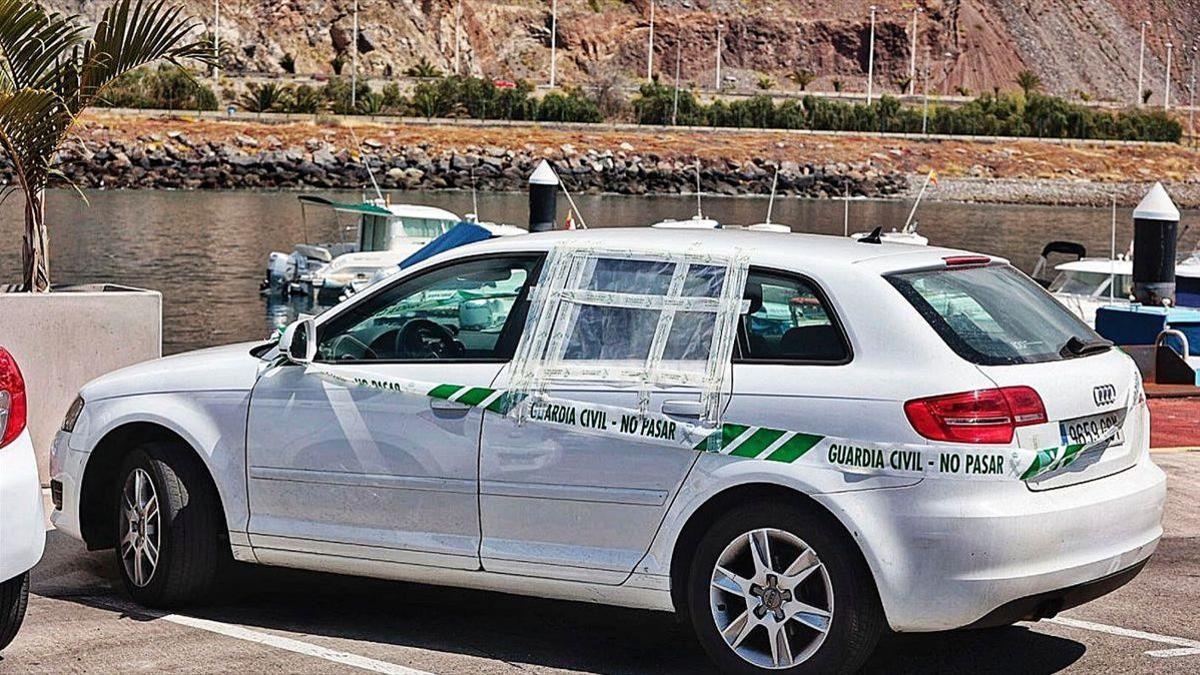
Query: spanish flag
<point>933,178</point>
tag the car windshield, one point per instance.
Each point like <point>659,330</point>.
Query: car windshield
<point>994,315</point>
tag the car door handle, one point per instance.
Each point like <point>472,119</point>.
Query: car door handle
<point>683,408</point>
<point>443,405</point>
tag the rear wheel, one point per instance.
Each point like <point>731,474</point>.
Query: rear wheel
<point>14,597</point>
<point>168,529</point>
<point>775,587</point>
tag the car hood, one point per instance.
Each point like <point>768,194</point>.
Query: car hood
<point>227,368</point>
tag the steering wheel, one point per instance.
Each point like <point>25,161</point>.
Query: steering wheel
<point>425,338</point>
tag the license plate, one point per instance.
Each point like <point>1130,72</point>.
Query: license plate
<point>1092,428</point>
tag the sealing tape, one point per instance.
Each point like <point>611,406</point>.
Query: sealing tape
<point>744,441</point>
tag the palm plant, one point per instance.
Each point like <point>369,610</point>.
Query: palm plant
<point>260,98</point>
<point>50,72</point>
<point>1029,82</point>
<point>802,78</point>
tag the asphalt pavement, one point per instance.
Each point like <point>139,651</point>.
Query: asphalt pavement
<point>268,620</point>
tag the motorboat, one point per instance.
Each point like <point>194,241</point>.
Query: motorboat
<point>1086,284</point>
<point>906,235</point>
<point>384,235</point>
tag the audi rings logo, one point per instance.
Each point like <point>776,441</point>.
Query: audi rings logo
<point>1105,394</point>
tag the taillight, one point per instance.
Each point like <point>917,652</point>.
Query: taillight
<point>983,416</point>
<point>12,399</point>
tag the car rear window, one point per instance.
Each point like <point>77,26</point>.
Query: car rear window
<point>993,315</point>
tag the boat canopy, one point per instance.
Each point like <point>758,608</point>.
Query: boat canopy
<point>362,208</point>
<point>459,235</point>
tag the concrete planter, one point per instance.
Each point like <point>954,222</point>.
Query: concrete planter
<point>65,338</point>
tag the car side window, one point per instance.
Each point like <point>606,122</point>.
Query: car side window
<point>471,310</point>
<point>789,320</point>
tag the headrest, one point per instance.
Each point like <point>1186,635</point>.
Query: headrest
<point>754,294</point>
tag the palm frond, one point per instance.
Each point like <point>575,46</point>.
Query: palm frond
<point>32,42</point>
<point>33,123</point>
<point>131,35</point>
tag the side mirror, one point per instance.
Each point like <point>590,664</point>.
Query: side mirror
<point>298,343</point>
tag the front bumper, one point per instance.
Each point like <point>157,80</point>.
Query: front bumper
<point>947,554</point>
<point>22,518</point>
<point>66,469</point>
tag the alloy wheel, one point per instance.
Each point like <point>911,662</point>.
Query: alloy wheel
<point>771,598</point>
<point>139,528</point>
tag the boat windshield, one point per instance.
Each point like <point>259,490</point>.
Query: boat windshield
<point>425,228</point>
<point>1075,282</point>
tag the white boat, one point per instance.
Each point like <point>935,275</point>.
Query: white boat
<point>906,235</point>
<point>385,234</point>
<point>1087,284</point>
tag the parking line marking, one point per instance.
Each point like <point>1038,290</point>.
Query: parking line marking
<point>1185,646</point>
<point>258,637</point>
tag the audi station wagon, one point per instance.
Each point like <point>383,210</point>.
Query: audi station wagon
<point>797,442</point>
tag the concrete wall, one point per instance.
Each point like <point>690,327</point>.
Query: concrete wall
<point>63,339</point>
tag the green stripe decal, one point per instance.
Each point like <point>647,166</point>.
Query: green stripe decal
<point>794,448</point>
<point>505,402</point>
<point>475,395</point>
<point>444,391</point>
<point>759,441</point>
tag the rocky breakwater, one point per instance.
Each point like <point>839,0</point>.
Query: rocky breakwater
<point>175,160</point>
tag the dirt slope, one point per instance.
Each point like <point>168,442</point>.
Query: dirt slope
<point>1080,48</point>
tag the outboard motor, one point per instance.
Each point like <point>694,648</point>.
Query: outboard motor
<point>1155,226</point>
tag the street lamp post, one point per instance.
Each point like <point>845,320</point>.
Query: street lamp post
<point>1192,97</point>
<point>457,36</point>
<point>718,86</point>
<point>354,62</point>
<point>871,57</point>
<point>1137,99</point>
<point>553,40</point>
<point>912,55</point>
<point>216,38</point>
<point>1167,83</point>
<point>675,101</point>
<point>650,48</point>
<point>925,102</point>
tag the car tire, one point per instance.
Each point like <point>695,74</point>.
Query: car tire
<point>822,598</point>
<point>14,598</point>
<point>169,546</point>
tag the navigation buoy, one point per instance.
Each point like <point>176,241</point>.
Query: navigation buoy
<point>1155,228</point>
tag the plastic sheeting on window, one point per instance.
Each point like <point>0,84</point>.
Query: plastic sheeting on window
<point>639,318</point>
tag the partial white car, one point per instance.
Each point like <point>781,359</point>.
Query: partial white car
<point>22,519</point>
<point>881,359</point>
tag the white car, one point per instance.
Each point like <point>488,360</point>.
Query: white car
<point>796,441</point>
<point>22,520</point>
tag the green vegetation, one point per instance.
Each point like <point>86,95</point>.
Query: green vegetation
<point>988,115</point>
<point>167,87</point>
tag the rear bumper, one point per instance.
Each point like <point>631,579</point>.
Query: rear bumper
<point>22,519</point>
<point>1046,605</point>
<point>948,554</point>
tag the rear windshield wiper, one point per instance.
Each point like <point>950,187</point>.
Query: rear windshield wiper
<point>1077,346</point>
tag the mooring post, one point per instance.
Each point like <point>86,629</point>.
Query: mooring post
<point>543,198</point>
<point>1155,228</point>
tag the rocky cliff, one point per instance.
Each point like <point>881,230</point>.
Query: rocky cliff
<point>1079,48</point>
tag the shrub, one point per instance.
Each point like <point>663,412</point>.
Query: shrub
<point>166,87</point>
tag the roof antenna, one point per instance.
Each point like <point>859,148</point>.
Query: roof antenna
<point>874,237</point>
<point>771,202</point>
<point>699,212</point>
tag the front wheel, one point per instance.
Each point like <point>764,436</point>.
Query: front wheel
<point>14,597</point>
<point>776,587</point>
<point>168,530</point>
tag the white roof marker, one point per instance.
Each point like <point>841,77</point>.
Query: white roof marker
<point>1156,205</point>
